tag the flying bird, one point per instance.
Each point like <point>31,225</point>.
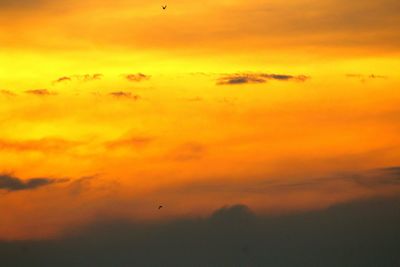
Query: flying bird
<point>160,207</point>
<point>164,7</point>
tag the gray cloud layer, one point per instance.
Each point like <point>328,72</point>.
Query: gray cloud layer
<point>363,233</point>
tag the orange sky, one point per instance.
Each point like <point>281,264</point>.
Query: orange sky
<point>120,106</point>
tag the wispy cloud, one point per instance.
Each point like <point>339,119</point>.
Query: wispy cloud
<point>18,4</point>
<point>369,179</point>
<point>378,177</point>
<point>129,142</point>
<point>246,78</point>
<point>364,78</point>
<point>63,79</point>
<point>123,94</point>
<point>194,99</point>
<point>7,93</point>
<point>137,77</point>
<point>188,151</point>
<point>42,145</point>
<point>90,77</point>
<point>40,92</point>
<point>80,185</point>
<point>11,183</point>
<point>83,77</point>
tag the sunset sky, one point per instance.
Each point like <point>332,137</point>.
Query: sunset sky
<point>110,108</point>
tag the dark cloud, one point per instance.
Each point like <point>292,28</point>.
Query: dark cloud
<point>122,94</point>
<point>63,79</point>
<point>137,77</point>
<point>11,183</point>
<point>245,78</point>
<point>361,233</point>
<point>391,170</point>
<point>379,177</point>
<point>40,92</point>
<point>81,185</point>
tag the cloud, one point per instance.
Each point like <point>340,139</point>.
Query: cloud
<point>194,99</point>
<point>137,77</point>
<point>122,94</point>
<point>81,185</point>
<point>11,183</point>
<point>391,170</point>
<point>84,78</point>
<point>360,233</point>
<point>40,92</point>
<point>363,26</point>
<point>48,144</point>
<point>364,78</point>
<point>376,178</point>
<point>135,142</point>
<point>7,93</point>
<point>17,4</point>
<point>63,79</point>
<point>89,77</point>
<point>188,151</point>
<point>245,78</point>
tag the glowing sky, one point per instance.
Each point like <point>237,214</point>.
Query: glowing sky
<point>113,107</point>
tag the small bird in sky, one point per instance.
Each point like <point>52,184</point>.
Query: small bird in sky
<point>164,7</point>
<point>160,207</point>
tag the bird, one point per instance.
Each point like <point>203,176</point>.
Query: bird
<point>160,207</point>
<point>164,7</point>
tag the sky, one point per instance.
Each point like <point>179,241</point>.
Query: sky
<point>109,109</point>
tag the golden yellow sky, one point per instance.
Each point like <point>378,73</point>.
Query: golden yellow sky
<point>119,106</point>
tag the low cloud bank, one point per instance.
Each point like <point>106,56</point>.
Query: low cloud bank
<point>362,233</point>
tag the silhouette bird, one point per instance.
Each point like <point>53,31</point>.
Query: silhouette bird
<point>164,7</point>
<point>160,207</point>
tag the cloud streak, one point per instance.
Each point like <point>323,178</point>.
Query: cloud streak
<point>63,79</point>
<point>139,77</point>
<point>188,151</point>
<point>40,92</point>
<point>364,78</point>
<point>377,178</point>
<point>18,4</point>
<point>44,145</point>
<point>129,142</point>
<point>84,78</point>
<point>254,78</point>
<point>7,93</point>
<point>126,95</point>
<point>11,183</point>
